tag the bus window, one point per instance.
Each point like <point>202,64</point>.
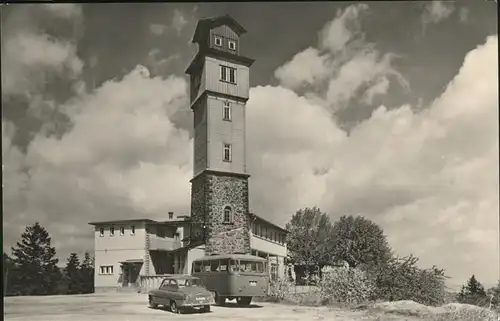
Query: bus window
<point>214,266</point>
<point>233,266</point>
<point>223,265</point>
<point>206,266</point>
<point>197,266</point>
<point>245,266</point>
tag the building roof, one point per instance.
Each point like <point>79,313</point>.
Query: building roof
<point>268,222</point>
<point>172,222</point>
<point>147,220</point>
<point>204,25</point>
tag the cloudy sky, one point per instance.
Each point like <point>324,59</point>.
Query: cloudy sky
<point>387,110</point>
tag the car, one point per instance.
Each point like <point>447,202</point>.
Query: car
<point>181,292</point>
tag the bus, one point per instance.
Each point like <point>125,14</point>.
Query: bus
<point>233,276</point>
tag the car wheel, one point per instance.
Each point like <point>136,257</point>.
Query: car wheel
<point>244,300</point>
<point>151,303</point>
<point>173,307</point>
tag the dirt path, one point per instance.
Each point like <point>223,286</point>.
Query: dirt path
<point>131,306</point>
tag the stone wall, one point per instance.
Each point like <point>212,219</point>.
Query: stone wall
<point>211,193</point>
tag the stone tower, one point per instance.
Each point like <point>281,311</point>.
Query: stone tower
<point>219,90</point>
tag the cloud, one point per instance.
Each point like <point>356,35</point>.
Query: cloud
<point>429,178</point>
<point>343,67</point>
<point>179,21</point>
<point>30,57</point>
<point>140,168</point>
<point>464,14</point>
<point>158,29</point>
<point>437,11</point>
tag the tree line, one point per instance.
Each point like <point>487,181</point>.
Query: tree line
<point>314,242</point>
<point>32,268</point>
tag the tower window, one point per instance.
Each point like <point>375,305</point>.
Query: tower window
<point>218,41</point>
<point>227,152</point>
<point>228,74</point>
<point>227,214</point>
<point>226,111</point>
<point>232,45</point>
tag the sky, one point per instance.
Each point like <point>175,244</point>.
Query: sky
<point>383,109</point>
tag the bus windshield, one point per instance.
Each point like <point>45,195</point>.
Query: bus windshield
<point>189,283</point>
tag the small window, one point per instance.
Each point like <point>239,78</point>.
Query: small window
<point>226,111</point>
<point>227,152</point>
<point>111,231</point>
<point>106,269</point>
<point>122,231</point>
<point>227,214</point>
<point>232,45</point>
<point>232,75</point>
<point>132,230</point>
<point>101,231</point>
<point>228,74</point>
<point>218,41</point>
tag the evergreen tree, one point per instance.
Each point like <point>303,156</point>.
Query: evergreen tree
<point>87,270</point>
<point>73,274</point>
<point>35,260</point>
<point>473,293</point>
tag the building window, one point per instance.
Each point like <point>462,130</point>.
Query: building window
<point>111,231</point>
<point>106,269</point>
<point>226,111</point>
<point>132,230</point>
<point>218,41</point>
<point>228,74</point>
<point>122,231</point>
<point>227,214</point>
<point>227,152</point>
<point>101,231</point>
<point>232,44</point>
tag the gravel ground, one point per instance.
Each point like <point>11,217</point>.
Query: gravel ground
<point>133,306</point>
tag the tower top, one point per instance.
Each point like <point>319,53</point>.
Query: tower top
<point>205,25</point>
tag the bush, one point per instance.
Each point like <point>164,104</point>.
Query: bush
<point>345,285</point>
<point>280,289</point>
<point>401,279</point>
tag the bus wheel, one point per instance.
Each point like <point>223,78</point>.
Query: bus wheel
<point>244,300</point>
<point>219,300</point>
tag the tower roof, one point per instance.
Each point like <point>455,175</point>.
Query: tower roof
<point>204,25</point>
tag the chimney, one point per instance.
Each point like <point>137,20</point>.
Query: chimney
<point>170,215</point>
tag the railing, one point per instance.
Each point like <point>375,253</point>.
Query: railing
<point>163,244</point>
<point>149,282</point>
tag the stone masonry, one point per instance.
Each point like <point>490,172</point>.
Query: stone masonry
<point>211,193</point>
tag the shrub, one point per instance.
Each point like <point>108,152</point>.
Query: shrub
<point>401,279</point>
<point>280,289</point>
<point>345,285</point>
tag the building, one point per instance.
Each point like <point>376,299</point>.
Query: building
<point>220,220</point>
